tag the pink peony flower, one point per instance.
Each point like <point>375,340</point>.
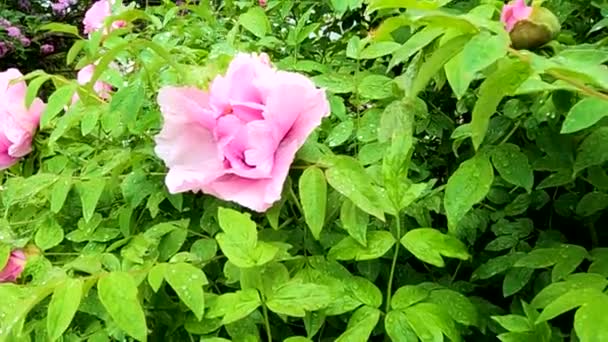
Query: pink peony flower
<point>13,32</point>
<point>17,123</point>
<point>85,74</point>
<point>513,12</point>
<point>95,17</point>
<point>238,140</point>
<point>14,266</point>
<point>263,3</point>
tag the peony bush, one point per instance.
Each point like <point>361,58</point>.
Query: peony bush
<point>361,170</point>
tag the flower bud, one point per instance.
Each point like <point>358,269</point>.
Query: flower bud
<point>529,26</point>
<point>14,266</point>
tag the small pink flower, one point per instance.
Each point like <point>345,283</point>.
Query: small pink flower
<point>14,267</point>
<point>17,123</point>
<point>84,76</point>
<point>95,17</point>
<point>14,32</point>
<point>513,12</point>
<point>263,3</point>
<point>238,140</point>
<point>46,49</point>
<point>25,41</point>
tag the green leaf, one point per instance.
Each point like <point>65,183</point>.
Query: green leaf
<point>430,322</point>
<point>375,5</point>
<point>239,240</point>
<point>428,245</point>
<point>56,103</point>
<point>340,133</point>
<point>437,60</point>
<point>232,307</point>
<point>5,254</point>
<point>378,49</point>
<point>63,306</point>
<point>128,101</point>
<point>509,75</point>
<point>335,83</point>
<point>354,221</point>
<point>513,166</point>
<point>348,177</point>
<point>360,325</point>
<point>187,281</point>
<point>365,291</point>
<point>592,203</point>
<point>295,298</point>
<point>33,88</point>
<point>496,266</point>
<point>59,192</point>
<point>566,259</point>
<point>590,152</point>
<point>573,282</point>
<point>156,276</point>
<point>458,306</point>
<point>409,295</point>
<point>136,187</point>
<point>118,294</point>
<point>515,280</point>
<point>415,43</point>
<point>378,243</point>
<point>48,235</point>
<point>585,114</point>
<point>60,28</point>
<point>255,21</point>
<point>74,50</point>
<point>468,186</point>
<point>571,300</point>
<point>17,189</point>
<point>479,53</point>
<point>375,87</point>
<point>90,191</point>
<point>591,321</point>
<point>398,328</point>
<point>515,323</point>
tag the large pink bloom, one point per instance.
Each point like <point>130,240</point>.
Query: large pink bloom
<point>95,17</point>
<point>237,141</point>
<point>14,267</point>
<point>17,123</point>
<point>85,75</point>
<point>513,12</point>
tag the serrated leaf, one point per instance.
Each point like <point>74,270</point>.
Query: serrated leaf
<point>429,245</point>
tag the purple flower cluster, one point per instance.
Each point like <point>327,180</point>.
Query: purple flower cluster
<point>61,6</point>
<point>15,33</point>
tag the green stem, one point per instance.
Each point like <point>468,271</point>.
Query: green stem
<point>389,288</point>
<point>267,322</point>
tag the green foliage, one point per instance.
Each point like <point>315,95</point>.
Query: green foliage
<point>455,192</point>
